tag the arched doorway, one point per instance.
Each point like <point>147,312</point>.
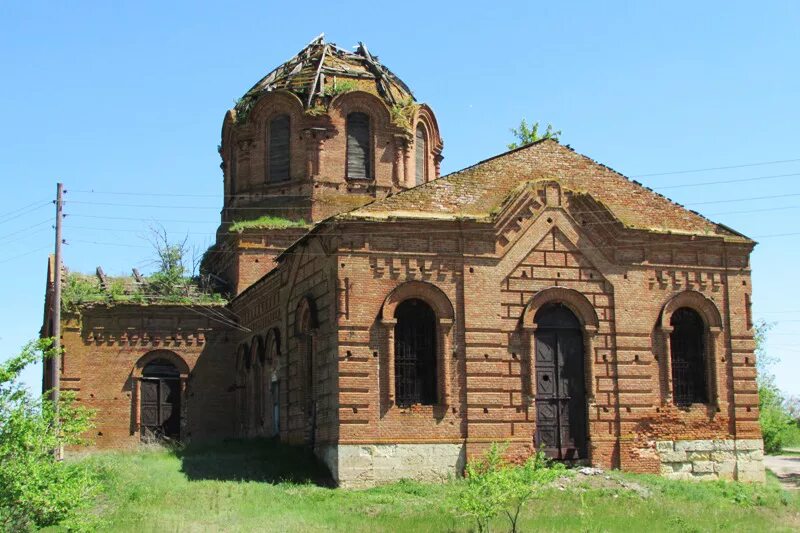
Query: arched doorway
<point>160,404</point>
<point>561,415</point>
<point>415,354</point>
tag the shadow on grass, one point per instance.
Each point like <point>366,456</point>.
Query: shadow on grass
<point>262,460</point>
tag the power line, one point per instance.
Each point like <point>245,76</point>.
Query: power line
<point>252,208</point>
<point>344,251</point>
<point>720,182</point>
<point>755,210</point>
<point>139,219</point>
<point>716,168</point>
<point>746,199</point>
<point>23,255</point>
<point>14,215</point>
<point>46,221</point>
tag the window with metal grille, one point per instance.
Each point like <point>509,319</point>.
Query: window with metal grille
<point>279,149</point>
<point>421,155</point>
<point>415,354</point>
<point>687,344</point>
<point>358,149</point>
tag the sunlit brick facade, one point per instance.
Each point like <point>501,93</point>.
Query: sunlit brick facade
<point>536,298</point>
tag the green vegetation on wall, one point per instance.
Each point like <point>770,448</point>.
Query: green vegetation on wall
<point>267,222</point>
<point>526,135</point>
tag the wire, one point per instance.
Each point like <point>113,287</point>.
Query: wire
<point>719,182</point>
<point>696,241</point>
<point>755,210</point>
<point>23,255</point>
<point>46,221</point>
<point>14,215</point>
<point>24,237</point>
<point>716,168</point>
<point>746,199</point>
<point>139,219</point>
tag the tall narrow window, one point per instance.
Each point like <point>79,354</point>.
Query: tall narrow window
<point>687,342</point>
<point>421,155</point>
<point>415,354</point>
<point>232,172</point>
<point>358,152</point>
<point>279,149</point>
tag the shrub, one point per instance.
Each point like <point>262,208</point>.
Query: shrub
<point>778,427</point>
<point>38,490</point>
<point>494,485</point>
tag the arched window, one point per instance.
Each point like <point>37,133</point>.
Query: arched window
<point>421,155</point>
<point>687,344</point>
<point>279,139</point>
<point>415,354</point>
<point>160,397</point>
<point>358,149</point>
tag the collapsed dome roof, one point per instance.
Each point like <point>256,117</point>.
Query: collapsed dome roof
<point>321,71</point>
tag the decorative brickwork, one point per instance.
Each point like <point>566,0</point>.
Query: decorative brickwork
<point>308,349</point>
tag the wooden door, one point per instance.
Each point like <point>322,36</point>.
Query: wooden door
<point>560,394</point>
<point>160,408</point>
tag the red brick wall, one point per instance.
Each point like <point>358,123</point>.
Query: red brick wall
<point>490,277</point>
<point>102,346</point>
<point>307,275</point>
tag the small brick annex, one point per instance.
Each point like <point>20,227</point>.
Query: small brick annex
<point>536,298</point>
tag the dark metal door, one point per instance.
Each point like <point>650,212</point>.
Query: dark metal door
<point>160,408</point>
<point>560,394</point>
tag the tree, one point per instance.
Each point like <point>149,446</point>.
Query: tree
<point>38,490</point>
<point>778,427</point>
<point>526,135</point>
<point>170,279</point>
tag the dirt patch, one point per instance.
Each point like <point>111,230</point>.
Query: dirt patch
<point>585,479</point>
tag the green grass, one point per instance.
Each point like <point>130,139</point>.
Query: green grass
<point>84,289</point>
<point>267,222</point>
<point>262,486</point>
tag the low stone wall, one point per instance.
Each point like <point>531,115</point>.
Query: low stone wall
<point>742,459</point>
<point>366,465</point>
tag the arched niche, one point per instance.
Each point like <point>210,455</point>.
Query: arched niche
<point>699,302</point>
<point>167,355</point>
<point>427,292</point>
<point>305,316</point>
<point>572,299</point>
<point>273,104</point>
<point>363,102</point>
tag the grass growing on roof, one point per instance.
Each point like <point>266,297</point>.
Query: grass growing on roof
<point>263,486</point>
<point>268,222</point>
<point>84,289</point>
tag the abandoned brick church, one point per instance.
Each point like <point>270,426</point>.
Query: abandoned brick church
<point>398,322</point>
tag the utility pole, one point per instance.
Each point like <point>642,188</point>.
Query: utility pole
<point>56,311</point>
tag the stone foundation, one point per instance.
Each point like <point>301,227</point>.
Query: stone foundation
<point>366,465</point>
<point>741,460</point>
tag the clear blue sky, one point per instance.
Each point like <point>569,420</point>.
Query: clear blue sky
<point>130,96</point>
